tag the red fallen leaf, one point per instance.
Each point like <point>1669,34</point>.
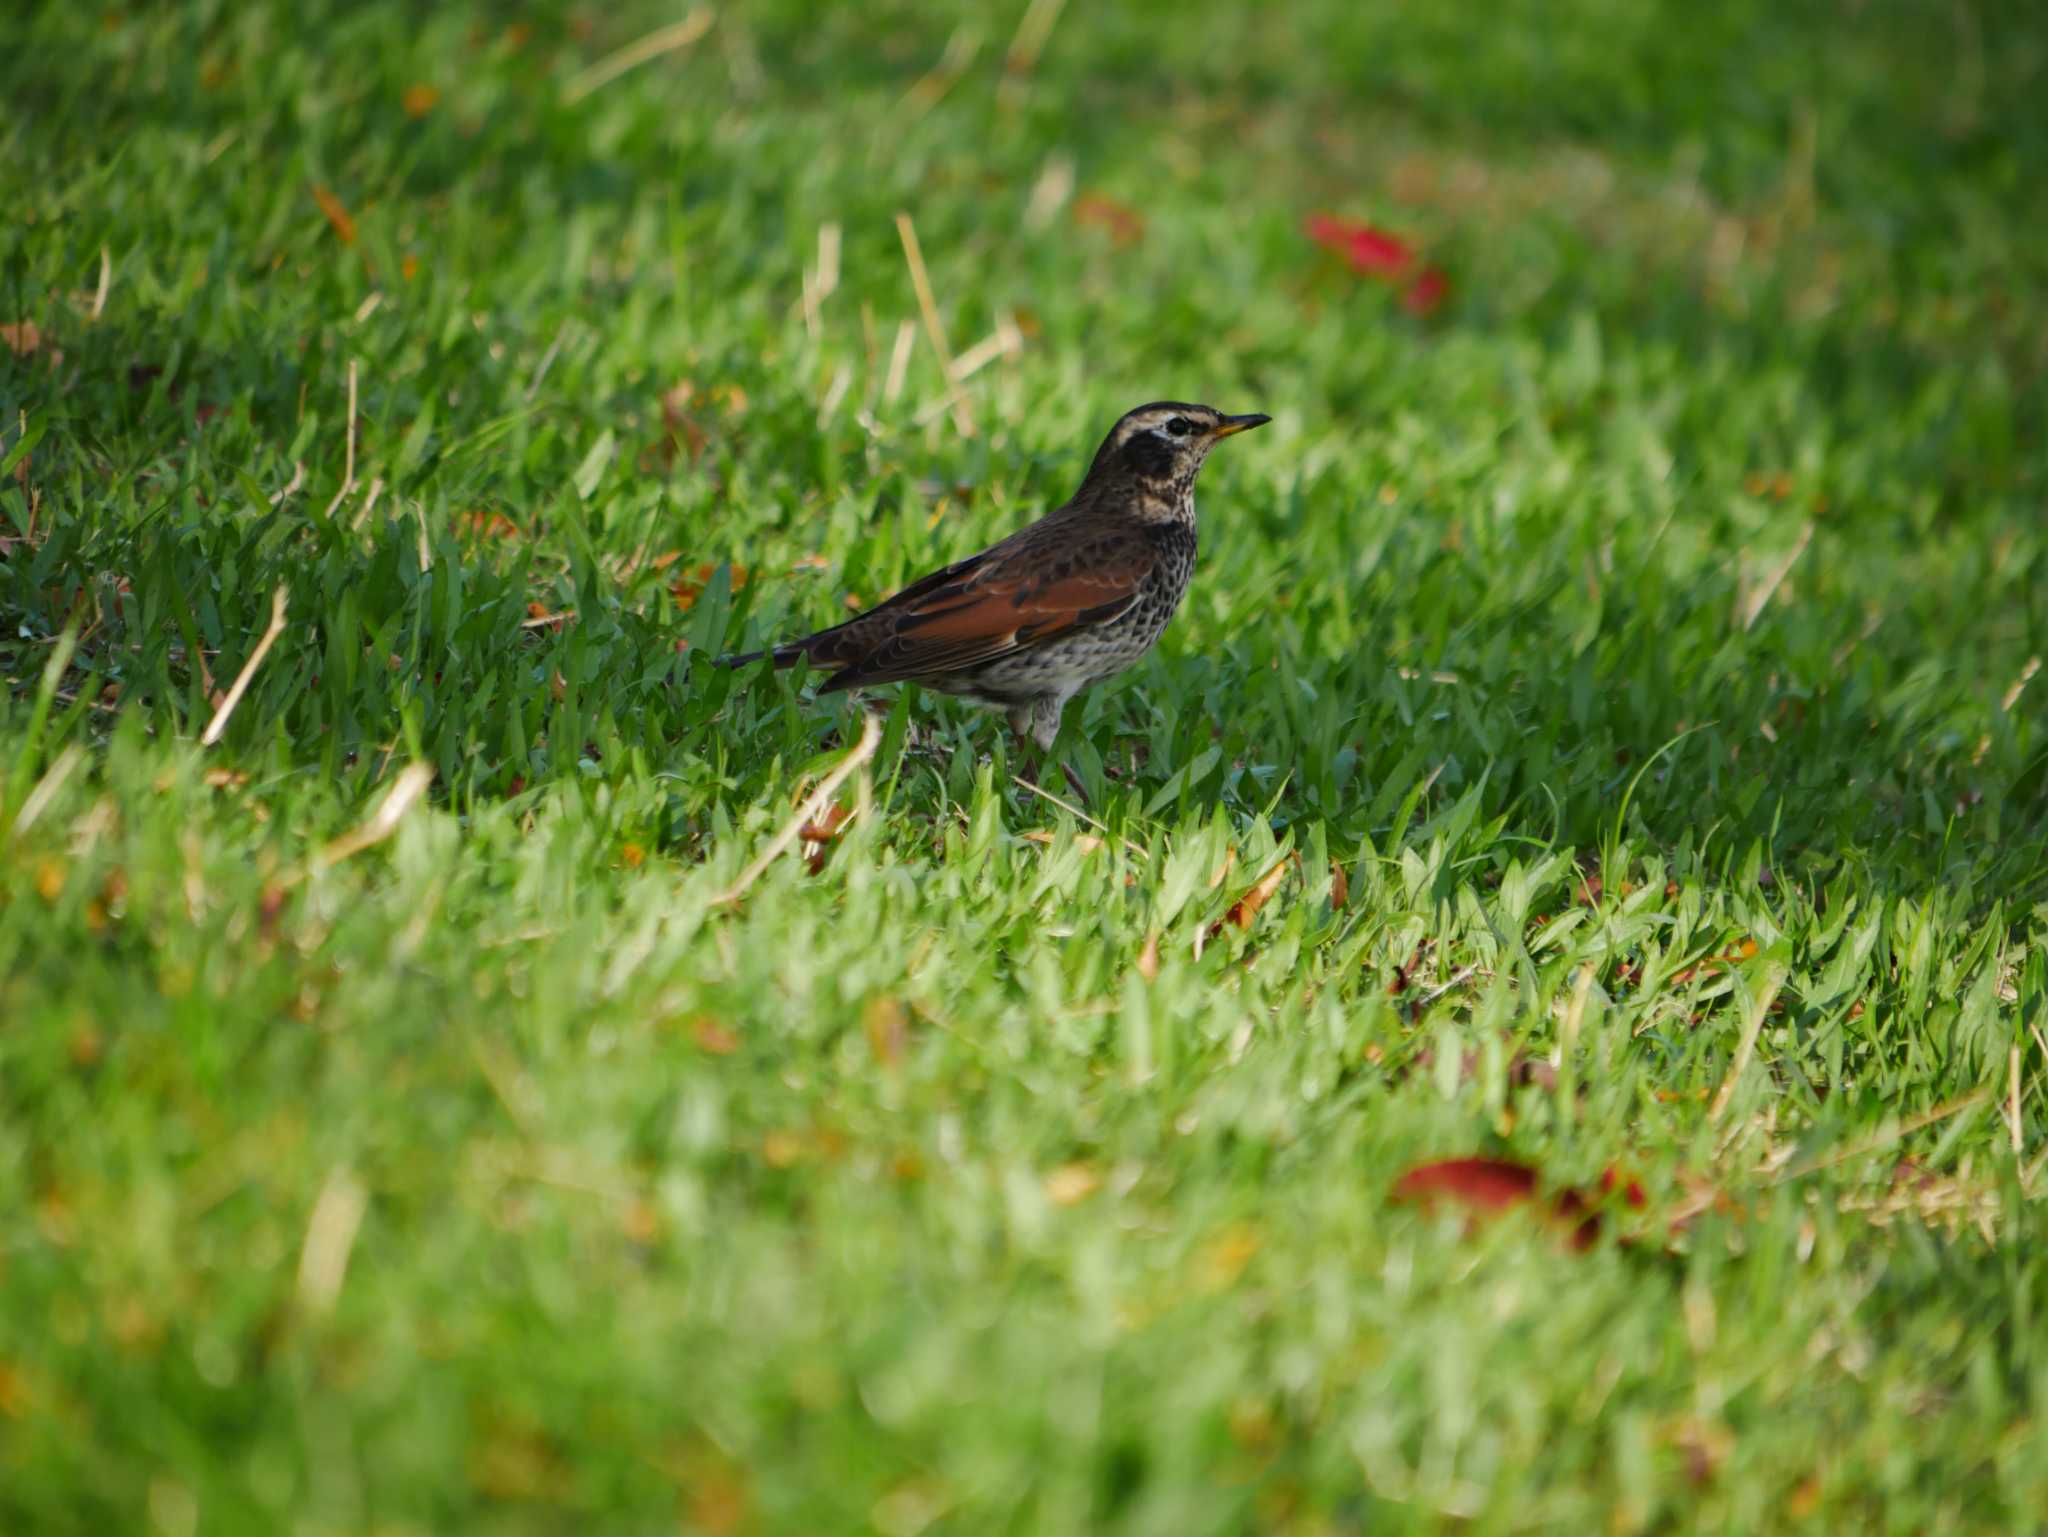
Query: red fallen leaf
<point>1486,1184</point>
<point>1631,1191</point>
<point>337,214</point>
<point>1372,251</point>
<point>1489,1186</point>
<point>1427,293</point>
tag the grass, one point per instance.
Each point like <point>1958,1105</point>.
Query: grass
<point>1625,666</point>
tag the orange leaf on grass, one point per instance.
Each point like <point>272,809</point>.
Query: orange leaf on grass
<point>419,99</point>
<point>1246,907</point>
<point>485,523</point>
<point>337,214</point>
<point>887,1029</point>
<point>713,1037</point>
<point>686,589</point>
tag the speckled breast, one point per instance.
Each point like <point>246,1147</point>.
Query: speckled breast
<point>1108,649</point>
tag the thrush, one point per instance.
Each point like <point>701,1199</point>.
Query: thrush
<point>1069,601</point>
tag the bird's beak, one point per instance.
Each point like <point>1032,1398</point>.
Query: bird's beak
<point>1231,424</point>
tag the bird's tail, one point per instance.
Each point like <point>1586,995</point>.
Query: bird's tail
<point>782,656</point>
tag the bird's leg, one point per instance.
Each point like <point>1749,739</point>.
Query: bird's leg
<point>1039,724</point>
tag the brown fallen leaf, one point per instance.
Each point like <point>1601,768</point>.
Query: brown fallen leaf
<point>1405,972</point>
<point>22,337</point>
<point>1704,1445</point>
<point>1124,224</point>
<point>419,99</point>
<point>1340,887</point>
<point>818,834</point>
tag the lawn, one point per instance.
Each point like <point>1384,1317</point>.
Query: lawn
<point>439,1094</point>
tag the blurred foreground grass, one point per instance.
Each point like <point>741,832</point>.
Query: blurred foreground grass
<point>1629,657</point>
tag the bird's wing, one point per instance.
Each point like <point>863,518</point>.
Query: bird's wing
<point>1012,599</point>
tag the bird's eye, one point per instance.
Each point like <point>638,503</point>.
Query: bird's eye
<point>1180,426</point>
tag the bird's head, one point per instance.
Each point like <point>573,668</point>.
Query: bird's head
<point>1165,443</point>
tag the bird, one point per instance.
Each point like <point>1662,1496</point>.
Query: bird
<point>1064,603</point>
